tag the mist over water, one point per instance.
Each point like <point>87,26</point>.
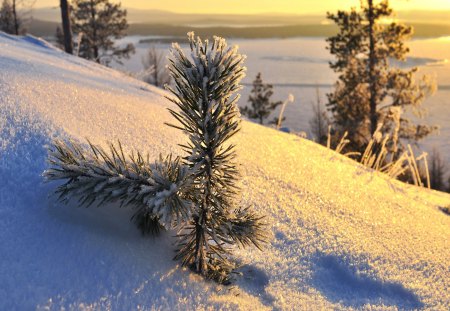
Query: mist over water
<point>300,65</point>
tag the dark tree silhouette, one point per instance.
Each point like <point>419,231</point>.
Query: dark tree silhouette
<point>261,105</point>
<point>320,121</point>
<point>67,30</point>
<point>7,17</point>
<point>437,170</point>
<point>100,22</point>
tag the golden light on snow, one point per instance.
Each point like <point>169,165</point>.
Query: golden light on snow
<point>341,235</point>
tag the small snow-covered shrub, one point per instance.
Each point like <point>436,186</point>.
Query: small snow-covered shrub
<point>196,194</point>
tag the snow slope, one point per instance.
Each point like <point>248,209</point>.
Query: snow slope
<point>343,237</point>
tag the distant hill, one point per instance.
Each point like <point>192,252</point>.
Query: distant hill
<point>48,28</point>
<point>165,17</point>
<point>268,19</point>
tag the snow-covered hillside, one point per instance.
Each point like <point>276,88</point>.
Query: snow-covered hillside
<point>342,236</point>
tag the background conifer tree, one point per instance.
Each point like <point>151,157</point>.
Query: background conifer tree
<point>437,169</point>
<point>368,85</point>
<point>7,17</point>
<point>100,22</point>
<point>320,121</point>
<point>261,105</point>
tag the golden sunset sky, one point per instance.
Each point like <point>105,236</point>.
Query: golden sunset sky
<point>262,6</point>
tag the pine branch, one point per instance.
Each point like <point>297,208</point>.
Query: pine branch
<point>94,176</point>
<point>246,228</point>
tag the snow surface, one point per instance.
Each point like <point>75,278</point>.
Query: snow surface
<point>343,237</point>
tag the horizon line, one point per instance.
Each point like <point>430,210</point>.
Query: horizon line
<point>254,14</point>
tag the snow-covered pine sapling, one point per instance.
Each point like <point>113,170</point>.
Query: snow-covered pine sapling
<point>95,177</point>
<point>195,194</point>
<point>204,91</point>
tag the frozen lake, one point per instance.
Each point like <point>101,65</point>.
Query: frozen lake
<point>299,65</point>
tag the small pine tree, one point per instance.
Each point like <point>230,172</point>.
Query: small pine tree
<point>368,86</point>
<point>203,92</point>
<point>437,169</point>
<point>100,23</point>
<point>7,17</point>
<point>196,194</point>
<point>261,105</point>
<point>155,69</point>
<point>319,122</point>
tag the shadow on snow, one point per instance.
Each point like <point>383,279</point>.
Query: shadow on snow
<point>341,283</point>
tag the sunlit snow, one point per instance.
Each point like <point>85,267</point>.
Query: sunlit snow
<point>342,236</point>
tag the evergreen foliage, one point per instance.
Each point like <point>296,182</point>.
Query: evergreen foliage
<point>437,170</point>
<point>208,113</point>
<point>100,22</point>
<point>94,177</point>
<point>7,17</point>
<point>261,105</point>
<point>196,194</point>
<point>368,86</point>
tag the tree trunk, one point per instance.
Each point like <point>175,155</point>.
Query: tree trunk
<point>16,19</point>
<point>201,245</point>
<point>65,17</point>
<point>200,260</point>
<point>94,32</point>
<point>155,72</point>
<point>372,61</point>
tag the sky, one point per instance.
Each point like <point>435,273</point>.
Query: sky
<point>262,6</point>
